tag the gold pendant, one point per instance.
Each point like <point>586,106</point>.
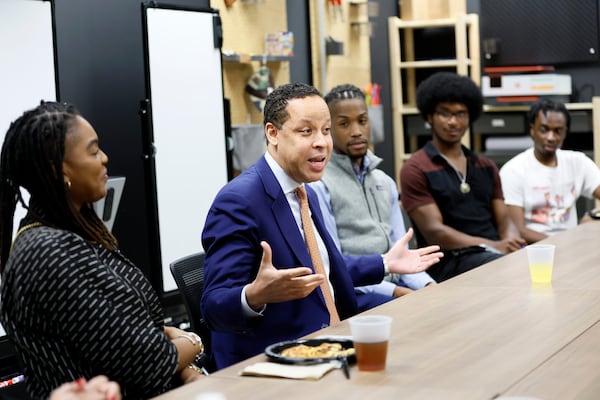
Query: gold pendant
<point>465,187</point>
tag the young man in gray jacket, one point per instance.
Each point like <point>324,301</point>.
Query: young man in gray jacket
<point>360,202</point>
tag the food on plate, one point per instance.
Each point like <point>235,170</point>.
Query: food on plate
<point>324,350</point>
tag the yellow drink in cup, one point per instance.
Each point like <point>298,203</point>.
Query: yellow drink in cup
<point>541,273</point>
<point>541,262</point>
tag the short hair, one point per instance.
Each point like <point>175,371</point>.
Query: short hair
<point>545,105</point>
<point>32,155</point>
<point>343,92</point>
<point>449,87</point>
<point>275,110</point>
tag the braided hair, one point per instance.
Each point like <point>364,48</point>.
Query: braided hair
<point>344,92</point>
<point>32,157</point>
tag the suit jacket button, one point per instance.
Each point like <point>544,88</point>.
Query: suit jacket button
<point>324,325</point>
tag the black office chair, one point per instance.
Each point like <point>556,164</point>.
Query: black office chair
<point>417,238</point>
<point>189,276</point>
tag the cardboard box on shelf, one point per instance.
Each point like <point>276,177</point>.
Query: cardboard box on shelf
<point>431,9</point>
<point>279,44</point>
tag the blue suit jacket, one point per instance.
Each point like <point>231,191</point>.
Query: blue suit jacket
<point>247,210</point>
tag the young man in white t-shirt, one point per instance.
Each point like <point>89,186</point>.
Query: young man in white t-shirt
<point>542,184</point>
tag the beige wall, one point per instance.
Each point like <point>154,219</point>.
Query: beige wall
<point>355,65</point>
<point>244,28</point>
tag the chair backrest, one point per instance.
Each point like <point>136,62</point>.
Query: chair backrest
<point>188,273</point>
<point>408,223</point>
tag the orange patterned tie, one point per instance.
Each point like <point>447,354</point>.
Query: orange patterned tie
<point>315,254</point>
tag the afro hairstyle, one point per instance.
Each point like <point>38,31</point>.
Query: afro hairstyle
<point>448,87</point>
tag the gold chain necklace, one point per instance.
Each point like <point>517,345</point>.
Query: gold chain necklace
<point>464,186</point>
<point>23,229</point>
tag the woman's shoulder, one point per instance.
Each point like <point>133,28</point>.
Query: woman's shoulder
<point>35,264</point>
<point>43,245</point>
<point>42,236</point>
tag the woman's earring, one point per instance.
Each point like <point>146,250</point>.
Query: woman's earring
<point>68,183</point>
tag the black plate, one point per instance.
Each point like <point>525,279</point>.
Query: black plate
<point>274,351</point>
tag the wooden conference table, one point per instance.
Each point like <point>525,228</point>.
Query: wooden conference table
<point>485,334</point>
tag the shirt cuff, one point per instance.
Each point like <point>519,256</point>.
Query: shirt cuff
<point>386,268</point>
<point>414,281</point>
<point>248,311</point>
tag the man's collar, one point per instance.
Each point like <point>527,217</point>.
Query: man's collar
<point>287,184</point>
<point>432,152</point>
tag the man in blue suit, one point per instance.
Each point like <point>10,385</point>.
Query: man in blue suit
<point>260,285</point>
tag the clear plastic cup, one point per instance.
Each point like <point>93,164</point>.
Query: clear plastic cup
<point>541,262</point>
<point>371,334</point>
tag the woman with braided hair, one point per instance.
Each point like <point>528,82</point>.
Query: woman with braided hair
<point>73,305</point>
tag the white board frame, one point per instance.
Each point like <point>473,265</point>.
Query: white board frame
<point>188,126</point>
<point>27,70</point>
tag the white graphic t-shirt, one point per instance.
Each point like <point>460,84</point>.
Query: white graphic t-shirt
<point>548,195</point>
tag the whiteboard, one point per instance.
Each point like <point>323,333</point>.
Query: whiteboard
<point>27,72</point>
<point>188,124</point>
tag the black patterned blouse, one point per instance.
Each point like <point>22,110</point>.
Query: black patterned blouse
<point>75,309</point>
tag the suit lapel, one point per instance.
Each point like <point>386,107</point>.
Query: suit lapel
<point>283,216</point>
<point>289,229</point>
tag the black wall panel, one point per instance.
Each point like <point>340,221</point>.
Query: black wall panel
<point>101,70</point>
<point>546,32</point>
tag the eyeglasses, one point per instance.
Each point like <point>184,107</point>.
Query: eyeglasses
<point>447,115</point>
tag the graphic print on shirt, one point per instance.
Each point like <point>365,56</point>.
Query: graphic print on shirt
<point>552,204</point>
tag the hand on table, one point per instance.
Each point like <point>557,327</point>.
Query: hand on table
<point>509,245</point>
<point>189,375</point>
<point>97,388</point>
<point>400,291</point>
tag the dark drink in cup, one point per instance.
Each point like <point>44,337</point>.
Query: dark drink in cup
<point>370,334</point>
<point>371,356</point>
